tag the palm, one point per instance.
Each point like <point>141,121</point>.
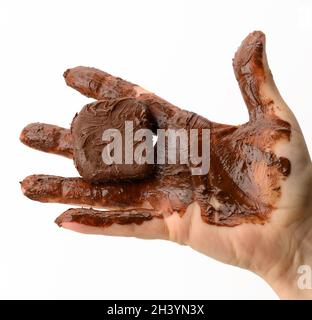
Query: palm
<point>259,172</point>
<point>257,247</point>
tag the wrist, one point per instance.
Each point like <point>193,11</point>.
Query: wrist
<point>292,279</point>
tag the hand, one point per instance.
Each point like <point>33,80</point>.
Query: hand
<point>251,210</point>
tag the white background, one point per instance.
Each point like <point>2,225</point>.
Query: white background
<point>182,51</point>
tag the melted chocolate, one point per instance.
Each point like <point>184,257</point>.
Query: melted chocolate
<point>87,130</point>
<point>105,219</point>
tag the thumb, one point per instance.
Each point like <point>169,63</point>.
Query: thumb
<point>256,81</point>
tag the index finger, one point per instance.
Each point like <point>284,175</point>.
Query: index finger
<point>100,85</point>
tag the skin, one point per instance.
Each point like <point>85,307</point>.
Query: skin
<point>267,230</point>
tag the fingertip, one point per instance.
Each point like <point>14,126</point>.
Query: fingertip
<point>42,188</point>
<point>27,132</point>
<point>26,185</point>
<point>251,47</point>
<point>22,135</point>
<point>65,217</point>
<point>66,72</point>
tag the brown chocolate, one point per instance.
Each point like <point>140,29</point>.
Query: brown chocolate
<point>87,130</point>
<point>91,217</point>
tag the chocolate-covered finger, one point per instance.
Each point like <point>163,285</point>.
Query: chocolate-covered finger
<point>254,76</point>
<point>48,138</point>
<point>250,68</point>
<point>256,81</point>
<point>46,188</point>
<point>141,223</point>
<point>100,85</point>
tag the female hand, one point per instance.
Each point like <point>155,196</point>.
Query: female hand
<point>253,208</point>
